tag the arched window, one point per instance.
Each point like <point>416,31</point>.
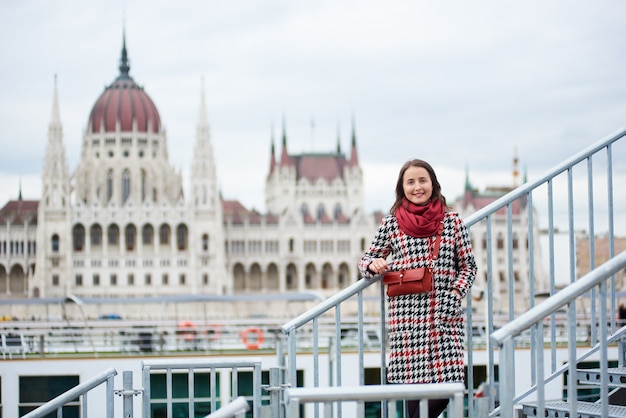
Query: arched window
<point>147,234</point>
<point>164,234</point>
<point>78,235</point>
<point>125,185</point>
<point>130,236</point>
<point>95,233</point>
<point>337,211</point>
<point>143,185</point>
<point>304,209</point>
<point>109,185</point>
<point>113,235</point>
<point>320,211</point>
<point>54,242</point>
<point>181,237</point>
<point>205,242</point>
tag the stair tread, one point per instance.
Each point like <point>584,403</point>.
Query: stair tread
<point>589,408</point>
<point>615,370</point>
<point>616,376</point>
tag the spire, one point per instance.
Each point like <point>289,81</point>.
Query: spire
<point>354,159</point>
<point>203,172</point>
<point>55,173</point>
<point>55,129</point>
<point>55,118</point>
<point>202,111</point>
<point>19,197</point>
<point>468,185</point>
<point>124,64</point>
<point>284,134</point>
<point>338,140</point>
<point>284,156</point>
<point>272,152</point>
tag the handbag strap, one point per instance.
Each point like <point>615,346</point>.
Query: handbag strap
<point>435,253</point>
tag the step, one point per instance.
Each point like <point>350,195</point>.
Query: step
<point>616,375</point>
<point>583,409</point>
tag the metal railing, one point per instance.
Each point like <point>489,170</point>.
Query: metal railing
<point>239,406</point>
<point>551,195</point>
<point>503,339</point>
<point>330,396</point>
<point>202,369</point>
<point>80,391</point>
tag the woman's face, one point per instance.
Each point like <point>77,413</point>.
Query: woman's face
<point>418,188</point>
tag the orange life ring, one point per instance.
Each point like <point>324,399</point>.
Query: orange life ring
<point>254,344</point>
<point>186,330</point>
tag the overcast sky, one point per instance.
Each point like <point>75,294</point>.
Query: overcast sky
<point>462,84</point>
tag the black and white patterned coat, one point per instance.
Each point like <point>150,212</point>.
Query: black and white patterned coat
<point>426,330</point>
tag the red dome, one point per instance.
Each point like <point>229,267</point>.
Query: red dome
<point>124,102</point>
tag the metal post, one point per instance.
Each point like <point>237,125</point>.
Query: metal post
<point>275,391</point>
<point>128,394</point>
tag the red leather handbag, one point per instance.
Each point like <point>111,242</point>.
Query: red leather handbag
<point>418,280</point>
<point>405,282</point>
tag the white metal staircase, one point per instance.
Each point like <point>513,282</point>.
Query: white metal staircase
<point>616,382</point>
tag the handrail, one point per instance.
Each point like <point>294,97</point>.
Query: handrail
<point>562,298</point>
<point>237,406</point>
<point>69,396</point>
<point>525,188</point>
<point>374,393</point>
<point>327,304</point>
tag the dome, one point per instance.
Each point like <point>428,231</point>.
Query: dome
<point>126,103</point>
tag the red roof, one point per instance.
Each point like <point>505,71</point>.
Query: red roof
<point>126,102</point>
<point>19,211</point>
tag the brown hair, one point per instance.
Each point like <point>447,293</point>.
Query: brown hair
<point>400,187</point>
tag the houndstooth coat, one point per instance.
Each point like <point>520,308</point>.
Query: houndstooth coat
<point>426,330</point>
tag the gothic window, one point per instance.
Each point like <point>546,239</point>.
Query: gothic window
<point>181,237</point>
<point>147,234</point>
<point>337,211</point>
<point>515,241</point>
<point>78,235</point>
<point>291,281</point>
<point>125,185</point>
<point>304,209</point>
<point>55,243</point>
<point>113,235</point>
<point>164,234</point>
<point>95,233</point>
<point>143,185</point>
<point>130,235</point>
<point>109,185</point>
<point>205,242</point>
<point>320,211</point>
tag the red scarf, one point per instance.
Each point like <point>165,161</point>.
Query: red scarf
<point>420,221</point>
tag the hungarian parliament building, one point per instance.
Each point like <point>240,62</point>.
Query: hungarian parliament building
<point>121,224</point>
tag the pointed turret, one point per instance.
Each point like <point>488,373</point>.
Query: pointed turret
<point>272,154</point>
<point>203,171</point>
<point>338,140</point>
<point>354,159</point>
<point>55,170</point>
<point>284,155</point>
<point>124,63</point>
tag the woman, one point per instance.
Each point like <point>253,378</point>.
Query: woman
<point>425,330</point>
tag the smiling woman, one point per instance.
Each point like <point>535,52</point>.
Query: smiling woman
<point>422,241</point>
